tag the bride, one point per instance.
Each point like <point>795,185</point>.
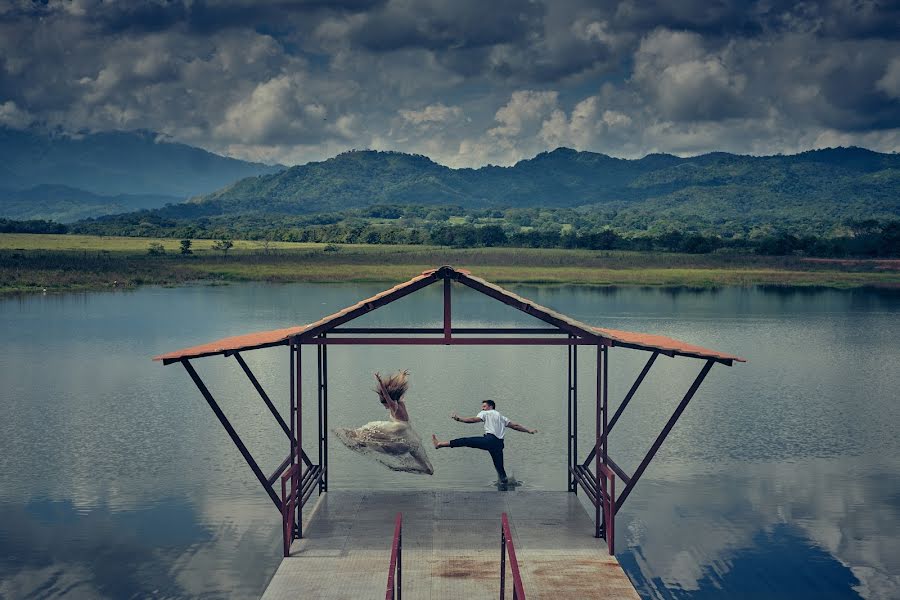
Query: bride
<point>394,443</point>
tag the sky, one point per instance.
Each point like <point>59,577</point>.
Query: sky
<point>465,82</point>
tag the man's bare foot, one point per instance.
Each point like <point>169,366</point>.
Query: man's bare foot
<point>434,440</point>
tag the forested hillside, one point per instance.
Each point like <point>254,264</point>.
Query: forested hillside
<point>812,189</point>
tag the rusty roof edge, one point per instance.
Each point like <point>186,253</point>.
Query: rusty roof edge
<point>584,328</point>
<point>222,346</point>
<point>604,334</point>
<point>387,296</point>
<point>677,348</point>
<point>610,337</point>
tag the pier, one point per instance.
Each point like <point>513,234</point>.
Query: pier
<point>339,546</point>
<point>451,547</point>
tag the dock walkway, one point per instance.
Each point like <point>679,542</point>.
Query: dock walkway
<point>451,547</point>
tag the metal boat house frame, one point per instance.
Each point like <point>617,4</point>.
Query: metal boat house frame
<point>596,474</point>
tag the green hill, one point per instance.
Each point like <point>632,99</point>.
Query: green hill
<point>830,185</point>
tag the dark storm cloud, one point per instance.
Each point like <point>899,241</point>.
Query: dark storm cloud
<point>446,24</point>
<point>464,81</point>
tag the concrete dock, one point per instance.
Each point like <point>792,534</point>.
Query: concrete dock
<point>451,547</point>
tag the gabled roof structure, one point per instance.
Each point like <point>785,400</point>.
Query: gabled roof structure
<point>608,337</point>
<point>300,476</point>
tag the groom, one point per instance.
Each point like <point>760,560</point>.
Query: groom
<point>495,426</point>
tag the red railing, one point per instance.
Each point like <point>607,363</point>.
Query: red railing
<point>605,495</point>
<point>608,493</point>
<point>506,545</point>
<point>288,502</point>
<point>395,570</point>
<point>302,485</point>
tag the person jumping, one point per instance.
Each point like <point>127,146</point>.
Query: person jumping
<point>495,426</point>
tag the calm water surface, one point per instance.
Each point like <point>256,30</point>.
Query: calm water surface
<point>781,480</point>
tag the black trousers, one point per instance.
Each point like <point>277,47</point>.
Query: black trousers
<point>488,442</point>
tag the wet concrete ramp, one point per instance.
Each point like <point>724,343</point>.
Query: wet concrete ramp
<point>451,547</point>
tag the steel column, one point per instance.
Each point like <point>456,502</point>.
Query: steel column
<point>321,438</point>
<point>574,408</point>
<point>292,453</point>
<point>292,441</point>
<point>231,432</point>
<point>569,456</point>
<point>598,433</point>
<point>664,433</point>
<point>447,329</point>
<point>299,429</point>
<point>604,442</point>
<point>324,464</point>
<point>572,433</point>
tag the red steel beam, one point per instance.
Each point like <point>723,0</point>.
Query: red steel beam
<point>453,330</point>
<point>382,341</point>
<point>232,433</point>
<point>664,433</point>
<point>628,397</point>
<point>370,306</point>
<point>262,393</point>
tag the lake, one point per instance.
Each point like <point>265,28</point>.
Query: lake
<point>781,479</point>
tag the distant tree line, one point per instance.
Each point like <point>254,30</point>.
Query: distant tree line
<point>36,226</point>
<point>456,227</point>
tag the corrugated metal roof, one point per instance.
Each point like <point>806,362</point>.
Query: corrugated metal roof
<point>661,343</point>
<point>614,337</point>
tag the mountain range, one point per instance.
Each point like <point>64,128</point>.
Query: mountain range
<point>829,184</point>
<point>65,204</point>
<point>98,169</point>
<point>68,178</point>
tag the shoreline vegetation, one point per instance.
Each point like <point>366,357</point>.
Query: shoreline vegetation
<point>35,263</point>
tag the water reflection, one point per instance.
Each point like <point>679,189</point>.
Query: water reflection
<point>805,529</point>
<point>118,482</point>
<point>56,549</point>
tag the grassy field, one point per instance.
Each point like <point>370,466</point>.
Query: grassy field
<point>35,263</point>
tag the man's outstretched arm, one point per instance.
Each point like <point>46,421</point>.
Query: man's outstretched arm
<point>456,417</point>
<point>521,428</point>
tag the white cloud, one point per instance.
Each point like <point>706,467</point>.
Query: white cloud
<point>584,129</point>
<point>524,107</point>
<point>890,83</point>
<point>449,81</point>
<point>13,116</point>
<point>431,114</point>
<point>687,82</point>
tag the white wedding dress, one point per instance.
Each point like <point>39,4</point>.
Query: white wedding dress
<point>394,443</point>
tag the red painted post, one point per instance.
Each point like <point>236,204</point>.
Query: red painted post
<point>502,561</point>
<point>508,546</point>
<point>611,519</point>
<point>447,327</point>
<point>299,472</point>
<point>395,569</point>
<point>598,431</point>
<point>286,513</point>
<point>292,442</point>
<point>604,440</point>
